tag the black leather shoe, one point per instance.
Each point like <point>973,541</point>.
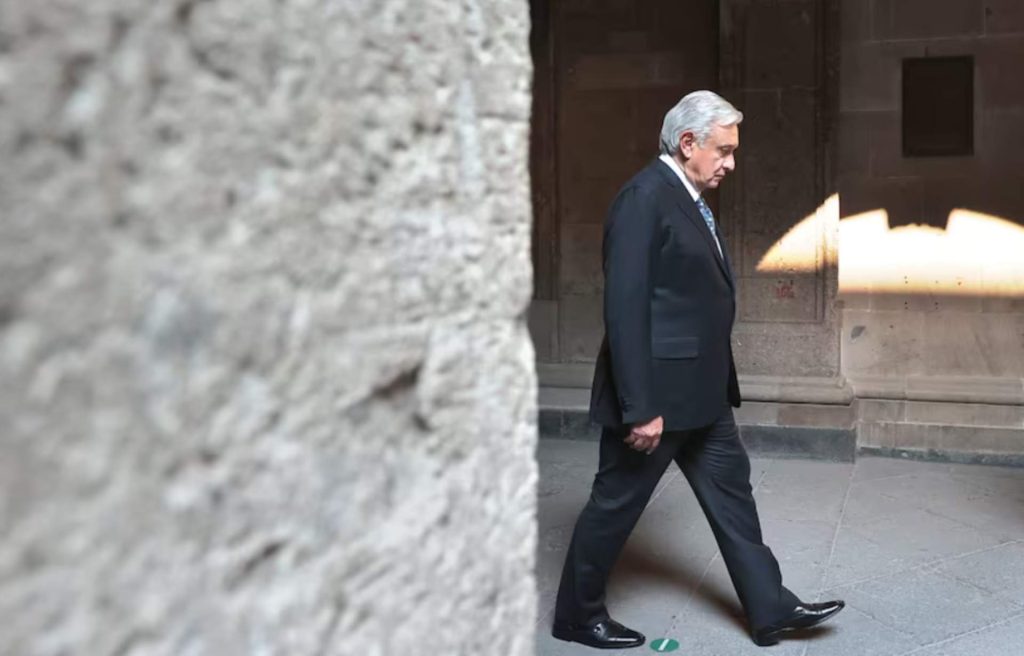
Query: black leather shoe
<point>606,634</point>
<point>803,616</point>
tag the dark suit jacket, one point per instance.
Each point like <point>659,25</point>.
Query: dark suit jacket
<point>669,307</point>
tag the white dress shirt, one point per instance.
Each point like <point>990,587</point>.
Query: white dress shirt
<point>674,165</point>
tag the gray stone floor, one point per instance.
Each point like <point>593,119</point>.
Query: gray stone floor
<point>929,557</point>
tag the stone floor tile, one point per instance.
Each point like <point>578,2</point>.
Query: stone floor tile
<point>803,549</point>
<point>715,593</point>
<point>986,471</point>
<point>567,470</point>
<point>989,503</point>
<point>651,593</point>
<point>869,468</point>
<point>568,454</point>
<point>926,491</point>
<point>995,502</point>
<point>665,558</point>
<point>673,524</point>
<point>922,536</point>
<point>925,605</point>
<point>1002,639</point>
<point>856,558</point>
<point>999,571</point>
<point>855,633</point>
<point>866,503</point>
<point>805,490</point>
<point>927,555</point>
<point>549,646</point>
<point>704,630</point>
<point>902,540</point>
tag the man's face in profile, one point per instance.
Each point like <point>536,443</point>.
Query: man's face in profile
<point>707,163</point>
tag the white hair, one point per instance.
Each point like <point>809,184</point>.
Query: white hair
<point>697,112</point>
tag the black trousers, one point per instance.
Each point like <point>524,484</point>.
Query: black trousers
<point>717,467</point>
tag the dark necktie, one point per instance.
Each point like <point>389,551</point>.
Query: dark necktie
<point>709,219</point>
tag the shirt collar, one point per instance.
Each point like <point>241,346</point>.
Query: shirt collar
<point>672,164</point>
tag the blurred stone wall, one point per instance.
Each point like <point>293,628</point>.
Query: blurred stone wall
<point>265,382</point>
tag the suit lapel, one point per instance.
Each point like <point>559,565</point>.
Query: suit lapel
<point>693,214</point>
<point>689,208</point>
<point>725,253</point>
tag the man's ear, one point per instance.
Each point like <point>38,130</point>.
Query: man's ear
<point>686,143</point>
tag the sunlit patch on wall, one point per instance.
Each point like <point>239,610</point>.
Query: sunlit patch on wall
<point>808,246</point>
<point>976,255</point>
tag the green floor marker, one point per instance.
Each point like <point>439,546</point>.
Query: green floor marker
<point>664,644</point>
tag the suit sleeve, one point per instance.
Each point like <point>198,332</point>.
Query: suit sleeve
<point>630,255</point>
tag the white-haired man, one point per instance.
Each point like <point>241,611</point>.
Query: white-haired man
<point>665,385</point>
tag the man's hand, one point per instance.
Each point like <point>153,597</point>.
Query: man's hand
<point>646,437</point>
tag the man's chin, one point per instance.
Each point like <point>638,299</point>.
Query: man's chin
<point>713,183</point>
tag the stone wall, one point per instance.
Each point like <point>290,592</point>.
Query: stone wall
<point>881,297</point>
<point>778,62</point>
<point>266,383</point>
<point>613,69</point>
<point>778,67</point>
<point>930,266</point>
<point>618,68</point>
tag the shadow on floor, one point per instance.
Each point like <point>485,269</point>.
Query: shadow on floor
<point>636,565</point>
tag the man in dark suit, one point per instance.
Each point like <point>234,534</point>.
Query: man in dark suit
<point>665,385</point>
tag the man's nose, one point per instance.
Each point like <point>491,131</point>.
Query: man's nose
<point>730,164</point>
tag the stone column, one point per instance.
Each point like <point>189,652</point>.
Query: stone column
<point>265,383</point>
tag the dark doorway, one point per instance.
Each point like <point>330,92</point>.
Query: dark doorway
<point>606,71</point>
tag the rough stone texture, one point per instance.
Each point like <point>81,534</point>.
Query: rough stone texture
<point>266,382</point>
